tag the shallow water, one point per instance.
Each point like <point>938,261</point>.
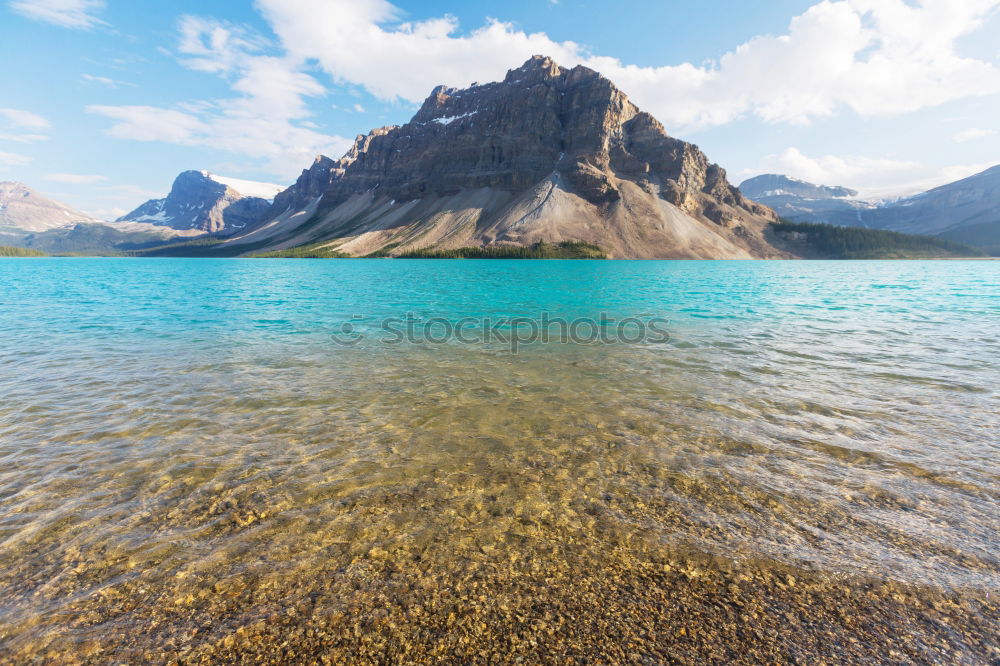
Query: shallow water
<point>186,450</point>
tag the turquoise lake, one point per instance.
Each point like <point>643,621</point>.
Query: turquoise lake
<point>191,447</point>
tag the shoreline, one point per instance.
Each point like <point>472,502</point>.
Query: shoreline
<point>608,608</point>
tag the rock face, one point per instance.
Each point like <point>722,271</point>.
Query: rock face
<point>24,210</point>
<point>202,201</point>
<point>310,186</point>
<point>967,211</point>
<point>549,154</point>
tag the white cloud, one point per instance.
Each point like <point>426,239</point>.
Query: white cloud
<point>972,134</point>
<point>22,126</point>
<point>148,123</point>
<point>832,169</point>
<point>22,138</point>
<point>874,178</point>
<point>876,57</point>
<point>216,46</point>
<point>105,81</point>
<point>24,119</point>
<point>927,178</point>
<point>77,14</point>
<point>401,60</point>
<point>75,178</point>
<point>13,159</point>
<point>268,120</point>
<point>959,171</point>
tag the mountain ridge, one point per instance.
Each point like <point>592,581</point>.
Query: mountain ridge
<point>546,155</point>
<point>22,209</point>
<point>966,210</point>
<point>773,185</point>
<point>31,221</point>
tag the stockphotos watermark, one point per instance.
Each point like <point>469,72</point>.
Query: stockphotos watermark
<point>512,332</point>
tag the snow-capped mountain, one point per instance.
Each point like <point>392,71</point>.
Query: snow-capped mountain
<point>22,209</point>
<point>802,201</point>
<point>204,201</point>
<point>967,211</point>
<point>774,185</point>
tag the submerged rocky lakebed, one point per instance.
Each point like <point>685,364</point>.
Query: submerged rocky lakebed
<point>195,466</point>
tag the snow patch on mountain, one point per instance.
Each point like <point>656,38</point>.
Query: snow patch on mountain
<point>450,119</point>
<point>248,188</point>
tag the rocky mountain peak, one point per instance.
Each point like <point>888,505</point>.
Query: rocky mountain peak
<point>310,185</point>
<point>436,100</point>
<point>544,128</point>
<point>537,68</point>
<point>361,144</point>
<point>202,201</point>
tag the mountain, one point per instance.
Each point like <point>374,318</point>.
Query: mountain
<point>102,238</point>
<point>773,185</point>
<point>966,211</point>
<point>24,210</point>
<point>203,201</point>
<point>547,155</point>
<point>29,220</point>
<point>798,200</point>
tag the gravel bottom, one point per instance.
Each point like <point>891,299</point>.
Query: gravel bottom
<point>554,610</point>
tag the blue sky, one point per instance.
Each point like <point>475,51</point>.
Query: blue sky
<point>104,101</point>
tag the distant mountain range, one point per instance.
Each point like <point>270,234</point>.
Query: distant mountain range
<point>199,203</point>
<point>548,155</point>
<point>778,188</point>
<point>31,220</point>
<point>966,211</point>
<point>24,210</point>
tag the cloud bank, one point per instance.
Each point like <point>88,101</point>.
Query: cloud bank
<point>267,120</point>
<point>875,57</point>
<point>868,57</point>
<point>873,178</point>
